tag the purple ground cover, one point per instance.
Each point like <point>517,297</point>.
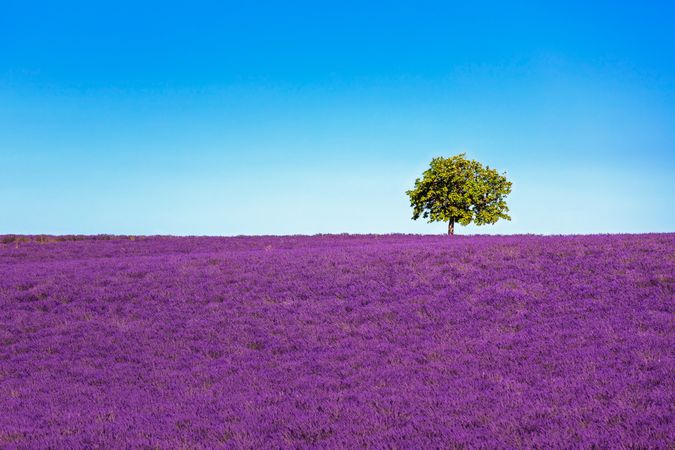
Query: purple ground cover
<point>338,341</point>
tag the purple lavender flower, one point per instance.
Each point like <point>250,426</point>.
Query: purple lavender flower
<point>337,341</point>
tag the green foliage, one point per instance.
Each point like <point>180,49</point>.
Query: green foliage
<point>460,190</point>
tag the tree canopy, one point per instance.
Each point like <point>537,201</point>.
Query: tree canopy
<point>458,190</point>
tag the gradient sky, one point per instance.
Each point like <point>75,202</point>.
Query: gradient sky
<point>314,117</point>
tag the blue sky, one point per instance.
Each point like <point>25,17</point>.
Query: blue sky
<point>314,117</point>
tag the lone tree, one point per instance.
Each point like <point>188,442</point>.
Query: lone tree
<point>460,190</point>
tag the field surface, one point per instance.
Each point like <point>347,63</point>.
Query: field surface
<point>337,341</point>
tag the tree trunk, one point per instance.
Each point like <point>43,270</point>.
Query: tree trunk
<point>451,227</point>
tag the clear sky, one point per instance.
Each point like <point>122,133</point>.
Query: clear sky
<point>315,117</point>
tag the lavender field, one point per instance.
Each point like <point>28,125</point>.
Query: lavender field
<point>337,341</point>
